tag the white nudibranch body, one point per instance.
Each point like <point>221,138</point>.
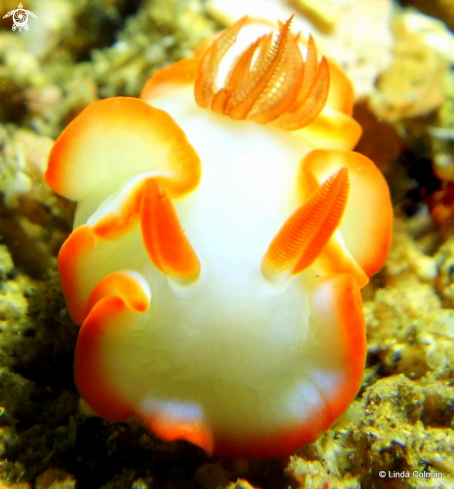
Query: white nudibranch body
<point>223,231</point>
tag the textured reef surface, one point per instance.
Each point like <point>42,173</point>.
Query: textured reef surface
<point>402,419</point>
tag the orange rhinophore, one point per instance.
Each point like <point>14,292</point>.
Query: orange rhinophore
<point>224,229</point>
<point>163,237</point>
<point>306,233</point>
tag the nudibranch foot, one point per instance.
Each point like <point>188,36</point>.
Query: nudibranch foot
<point>297,403</point>
<point>173,420</point>
<point>224,229</point>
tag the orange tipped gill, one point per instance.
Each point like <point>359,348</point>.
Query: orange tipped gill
<point>263,78</point>
<point>269,82</point>
<point>209,64</point>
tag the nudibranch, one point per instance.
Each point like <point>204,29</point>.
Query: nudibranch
<point>224,229</point>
